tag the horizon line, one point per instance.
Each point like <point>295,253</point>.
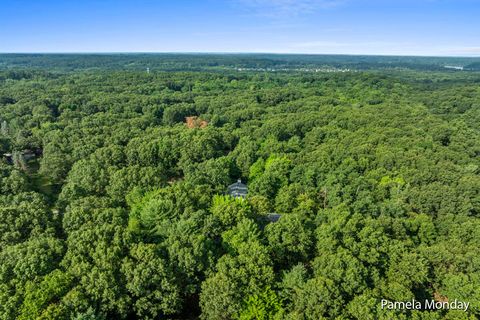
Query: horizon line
<point>234,53</point>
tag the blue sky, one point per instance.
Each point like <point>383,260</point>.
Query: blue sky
<point>399,27</point>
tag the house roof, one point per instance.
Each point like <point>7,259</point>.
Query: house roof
<point>238,189</point>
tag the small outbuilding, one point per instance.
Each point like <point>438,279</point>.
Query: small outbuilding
<point>273,217</point>
<point>8,157</point>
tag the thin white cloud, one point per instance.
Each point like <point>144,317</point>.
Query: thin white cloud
<point>378,47</point>
<point>318,44</point>
<point>322,45</point>
<point>460,50</point>
<point>282,8</point>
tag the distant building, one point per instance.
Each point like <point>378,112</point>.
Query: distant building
<point>20,158</point>
<point>238,189</point>
<point>454,67</point>
<point>28,155</point>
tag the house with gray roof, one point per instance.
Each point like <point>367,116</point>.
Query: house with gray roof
<point>238,189</point>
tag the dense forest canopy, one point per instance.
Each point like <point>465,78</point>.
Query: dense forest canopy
<point>112,207</point>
